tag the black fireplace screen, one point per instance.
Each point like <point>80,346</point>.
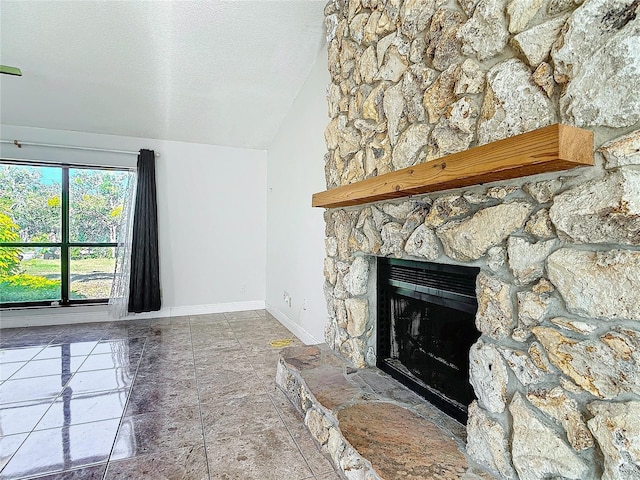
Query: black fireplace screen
<point>426,327</point>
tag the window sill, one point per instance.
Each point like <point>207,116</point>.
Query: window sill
<point>53,315</point>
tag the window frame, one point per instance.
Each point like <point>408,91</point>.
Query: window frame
<point>65,245</point>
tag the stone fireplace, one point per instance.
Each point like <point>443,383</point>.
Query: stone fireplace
<point>556,370</point>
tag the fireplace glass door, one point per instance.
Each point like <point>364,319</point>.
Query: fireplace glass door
<point>426,326</point>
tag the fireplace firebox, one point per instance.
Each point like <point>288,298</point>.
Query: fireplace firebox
<point>425,329</point>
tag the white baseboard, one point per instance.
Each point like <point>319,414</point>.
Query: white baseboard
<point>292,326</point>
<point>217,308</point>
<point>37,317</point>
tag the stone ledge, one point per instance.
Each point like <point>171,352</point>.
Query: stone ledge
<point>370,426</point>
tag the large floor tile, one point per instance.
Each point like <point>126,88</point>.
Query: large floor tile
<point>50,366</point>
<point>94,472</point>
<point>208,318</point>
<point>8,355</point>
<point>165,370</point>
<point>8,446</point>
<point>88,326</point>
<point>57,350</point>
<point>173,348</point>
<point>184,464</point>
<point>164,373</point>
<point>10,332</point>
<point>24,390</point>
<point>167,321</point>
<point>77,337</point>
<point>329,476</point>
<point>265,362</point>
<point>115,332</point>
<point>157,432</point>
<point>215,355</point>
<point>166,333</point>
<point>7,370</point>
<point>22,417</point>
<point>51,330</point>
<point>246,415</point>
<point>57,449</point>
<point>105,361</point>
<point>218,369</point>
<point>214,339</point>
<point>76,408</point>
<point>283,404</point>
<point>244,314</point>
<point>168,325</point>
<point>20,340</point>
<point>101,380</point>
<point>318,462</point>
<point>162,395</point>
<point>154,356</point>
<point>224,389</point>
<point>269,455</point>
<point>121,346</point>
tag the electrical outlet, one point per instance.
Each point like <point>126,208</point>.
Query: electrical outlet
<point>243,288</point>
<point>287,298</point>
<point>304,303</point>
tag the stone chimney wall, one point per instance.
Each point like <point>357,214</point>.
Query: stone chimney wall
<point>557,369</point>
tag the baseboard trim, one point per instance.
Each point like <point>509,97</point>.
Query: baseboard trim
<point>37,317</point>
<point>292,326</point>
<point>217,308</point>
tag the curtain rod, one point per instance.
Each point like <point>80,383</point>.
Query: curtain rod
<point>45,163</point>
<point>19,144</point>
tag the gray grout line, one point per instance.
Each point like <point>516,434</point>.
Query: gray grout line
<point>292,437</point>
<point>195,375</point>
<point>61,472</point>
<point>124,409</point>
<point>4,337</point>
<point>19,446</point>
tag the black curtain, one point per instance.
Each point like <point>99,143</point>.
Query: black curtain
<point>144,284</point>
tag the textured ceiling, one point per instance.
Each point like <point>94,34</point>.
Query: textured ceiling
<point>216,72</point>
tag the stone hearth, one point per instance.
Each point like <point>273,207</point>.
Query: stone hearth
<point>556,371</point>
<point>370,426</point>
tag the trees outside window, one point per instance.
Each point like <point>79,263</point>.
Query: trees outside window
<point>58,232</point>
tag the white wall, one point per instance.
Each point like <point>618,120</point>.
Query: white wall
<point>211,215</point>
<point>295,231</point>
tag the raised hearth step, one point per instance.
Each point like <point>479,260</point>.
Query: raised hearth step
<point>371,426</point>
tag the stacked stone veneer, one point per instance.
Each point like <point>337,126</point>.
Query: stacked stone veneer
<point>557,369</point>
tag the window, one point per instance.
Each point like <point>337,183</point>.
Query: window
<point>58,232</point>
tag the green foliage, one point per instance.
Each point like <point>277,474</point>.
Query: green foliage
<point>28,288</point>
<point>54,202</point>
<point>8,230</point>
<point>42,238</point>
<point>31,281</point>
<point>9,256</point>
<point>31,201</point>
<point>38,266</point>
<point>97,204</point>
<point>79,253</point>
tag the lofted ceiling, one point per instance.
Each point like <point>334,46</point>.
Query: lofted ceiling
<point>214,72</point>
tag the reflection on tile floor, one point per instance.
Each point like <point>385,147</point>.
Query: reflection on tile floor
<point>187,398</point>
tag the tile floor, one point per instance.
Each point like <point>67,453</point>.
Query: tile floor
<point>179,398</point>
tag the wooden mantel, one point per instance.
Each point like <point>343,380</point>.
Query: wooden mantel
<point>549,149</point>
